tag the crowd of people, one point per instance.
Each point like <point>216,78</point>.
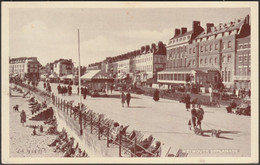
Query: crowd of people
<point>63,90</point>
<point>243,109</point>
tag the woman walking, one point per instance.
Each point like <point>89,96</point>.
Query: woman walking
<point>128,98</point>
<point>187,101</point>
<point>23,117</point>
<point>123,97</point>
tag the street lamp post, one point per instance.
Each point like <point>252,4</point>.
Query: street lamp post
<point>80,101</point>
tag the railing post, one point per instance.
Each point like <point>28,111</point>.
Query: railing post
<point>99,127</point>
<point>80,119</point>
<point>91,127</point>
<point>70,109</point>
<point>67,108</point>
<point>74,111</point>
<point>135,148</point>
<point>120,142</point>
<point>85,120</point>
<point>108,135</point>
<point>64,106</point>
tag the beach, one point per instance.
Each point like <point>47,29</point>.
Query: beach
<point>22,142</point>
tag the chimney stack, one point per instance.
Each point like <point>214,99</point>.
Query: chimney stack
<point>209,27</point>
<point>177,32</point>
<point>183,30</point>
<point>195,25</point>
<point>147,48</point>
<point>153,47</point>
<point>142,49</point>
<point>246,20</point>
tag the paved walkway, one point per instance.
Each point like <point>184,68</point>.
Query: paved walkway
<point>167,121</point>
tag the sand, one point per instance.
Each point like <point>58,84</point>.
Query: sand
<point>22,142</point>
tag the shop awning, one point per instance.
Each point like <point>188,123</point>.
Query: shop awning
<point>96,75</point>
<point>70,76</point>
<point>188,70</point>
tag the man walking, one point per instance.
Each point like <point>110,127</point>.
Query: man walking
<point>123,97</point>
<point>193,116</point>
<point>85,93</point>
<point>128,98</point>
<point>200,114</point>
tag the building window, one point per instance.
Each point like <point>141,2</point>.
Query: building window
<point>206,48</point>
<point>193,50</point>
<point>216,46</point>
<point>201,49</point>
<point>190,50</point>
<point>188,37</point>
<point>206,61</point>
<point>201,61</point>
<point>184,38</point>
<point>240,58</point>
<point>223,59</point>
<point>229,58</point>
<point>210,47</point>
<point>228,76</point>
<point>223,45</point>
<point>223,76</point>
<point>229,44</point>
<point>245,59</point>
<point>210,60</point>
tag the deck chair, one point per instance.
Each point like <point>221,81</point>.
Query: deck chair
<point>152,151</point>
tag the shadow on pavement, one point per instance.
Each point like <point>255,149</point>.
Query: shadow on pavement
<point>138,107</point>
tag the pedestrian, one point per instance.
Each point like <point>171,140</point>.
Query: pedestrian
<point>249,93</point>
<point>70,90</point>
<point>82,90</point>
<point>23,117</point>
<point>111,88</point>
<point>85,93</point>
<point>187,101</point>
<point>193,117</point>
<point>156,95</point>
<point>65,90</point>
<point>128,98</point>
<point>78,90</point>
<point>41,128</point>
<point>200,114</point>
<point>211,98</point>
<point>44,85</point>
<point>123,97</point>
<point>49,88</point>
<point>59,89</point>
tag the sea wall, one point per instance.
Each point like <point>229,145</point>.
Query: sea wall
<point>87,141</point>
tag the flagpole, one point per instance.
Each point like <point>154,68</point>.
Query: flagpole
<point>80,113</point>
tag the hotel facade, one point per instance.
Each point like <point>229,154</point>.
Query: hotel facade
<point>210,55</point>
<point>25,68</point>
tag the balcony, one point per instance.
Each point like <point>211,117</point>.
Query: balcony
<point>242,78</point>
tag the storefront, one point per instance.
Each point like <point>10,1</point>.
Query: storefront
<point>193,76</point>
<point>96,79</point>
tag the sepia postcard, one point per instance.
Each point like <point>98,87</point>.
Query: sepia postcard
<point>129,82</point>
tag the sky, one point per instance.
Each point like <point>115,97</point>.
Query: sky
<point>52,33</point>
